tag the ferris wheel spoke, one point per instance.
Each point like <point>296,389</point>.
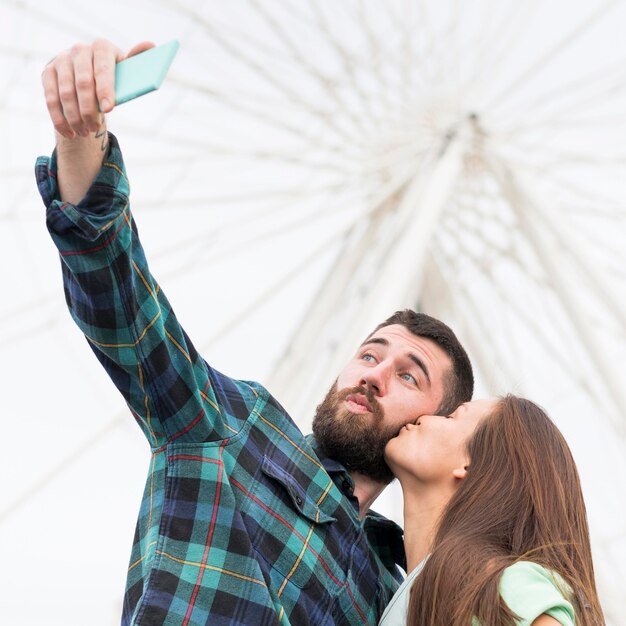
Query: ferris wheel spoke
<point>403,162</point>
<point>295,57</point>
<point>551,175</point>
<point>496,42</point>
<point>283,88</point>
<point>60,467</point>
<point>275,198</point>
<point>521,79</point>
<point>573,245</point>
<point>525,270</point>
<point>359,12</point>
<point>559,120</point>
<point>326,82</point>
<point>412,35</point>
<point>16,312</point>
<point>349,64</point>
<point>471,326</point>
<point>371,88</point>
<point>271,120</point>
<point>518,314</point>
<point>30,328</point>
<point>330,150</point>
<point>51,19</point>
<point>480,326</point>
<point>201,256</point>
<point>406,22</point>
<point>567,231</point>
<point>17,187</point>
<point>553,158</point>
<point>432,42</point>
<point>14,53</point>
<point>272,289</point>
<point>604,203</point>
<point>592,88</point>
<point>556,260</point>
<point>617,214</point>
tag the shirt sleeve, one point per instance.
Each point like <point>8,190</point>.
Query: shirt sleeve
<point>530,590</point>
<point>126,318</point>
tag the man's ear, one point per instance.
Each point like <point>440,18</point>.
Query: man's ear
<point>460,473</point>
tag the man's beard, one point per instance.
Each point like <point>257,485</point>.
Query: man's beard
<point>356,440</point>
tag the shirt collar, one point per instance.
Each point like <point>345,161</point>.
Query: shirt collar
<point>378,528</point>
<point>331,465</point>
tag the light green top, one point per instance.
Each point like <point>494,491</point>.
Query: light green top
<point>396,612</point>
<point>529,589</point>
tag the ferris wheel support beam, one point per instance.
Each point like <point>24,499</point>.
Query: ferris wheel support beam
<point>558,260</point>
<point>395,285</point>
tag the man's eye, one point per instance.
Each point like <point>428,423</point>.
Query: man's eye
<point>368,357</point>
<point>409,378</point>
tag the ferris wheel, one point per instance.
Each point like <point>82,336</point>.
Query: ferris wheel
<point>310,167</point>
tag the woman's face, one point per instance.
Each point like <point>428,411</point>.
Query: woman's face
<point>433,449</point>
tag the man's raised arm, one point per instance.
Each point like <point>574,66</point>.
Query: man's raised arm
<point>110,291</point>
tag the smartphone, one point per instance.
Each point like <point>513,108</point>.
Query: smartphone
<point>144,72</point>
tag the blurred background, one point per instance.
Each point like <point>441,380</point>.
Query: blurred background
<point>307,168</point>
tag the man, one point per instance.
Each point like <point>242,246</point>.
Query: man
<point>244,520</point>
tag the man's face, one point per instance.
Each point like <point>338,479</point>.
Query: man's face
<point>393,378</point>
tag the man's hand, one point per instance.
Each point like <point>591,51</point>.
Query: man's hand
<point>79,85</point>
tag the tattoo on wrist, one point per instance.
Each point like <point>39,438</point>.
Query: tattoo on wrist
<point>102,133</point>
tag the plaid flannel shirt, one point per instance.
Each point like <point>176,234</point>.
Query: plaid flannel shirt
<point>243,521</point>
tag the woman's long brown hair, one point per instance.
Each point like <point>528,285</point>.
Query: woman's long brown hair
<point>520,500</point>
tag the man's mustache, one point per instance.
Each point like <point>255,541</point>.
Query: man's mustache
<point>377,409</point>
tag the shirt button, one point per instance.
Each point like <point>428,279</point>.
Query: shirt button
<point>298,500</point>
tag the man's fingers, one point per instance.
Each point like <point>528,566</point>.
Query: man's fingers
<point>49,79</point>
<point>66,86</point>
<point>105,55</point>
<point>85,86</point>
<point>79,85</point>
<point>140,47</point>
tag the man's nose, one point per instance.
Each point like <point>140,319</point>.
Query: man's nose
<point>376,379</point>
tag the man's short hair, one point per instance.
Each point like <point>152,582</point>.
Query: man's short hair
<point>458,383</point>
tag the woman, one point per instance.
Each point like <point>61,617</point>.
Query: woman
<point>495,524</point>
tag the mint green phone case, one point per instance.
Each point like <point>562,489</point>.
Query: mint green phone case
<point>144,72</point>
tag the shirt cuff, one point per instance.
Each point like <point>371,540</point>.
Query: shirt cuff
<point>105,200</point>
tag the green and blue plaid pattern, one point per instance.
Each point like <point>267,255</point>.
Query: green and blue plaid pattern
<point>243,521</point>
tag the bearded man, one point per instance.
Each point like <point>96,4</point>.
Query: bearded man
<point>244,521</point>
